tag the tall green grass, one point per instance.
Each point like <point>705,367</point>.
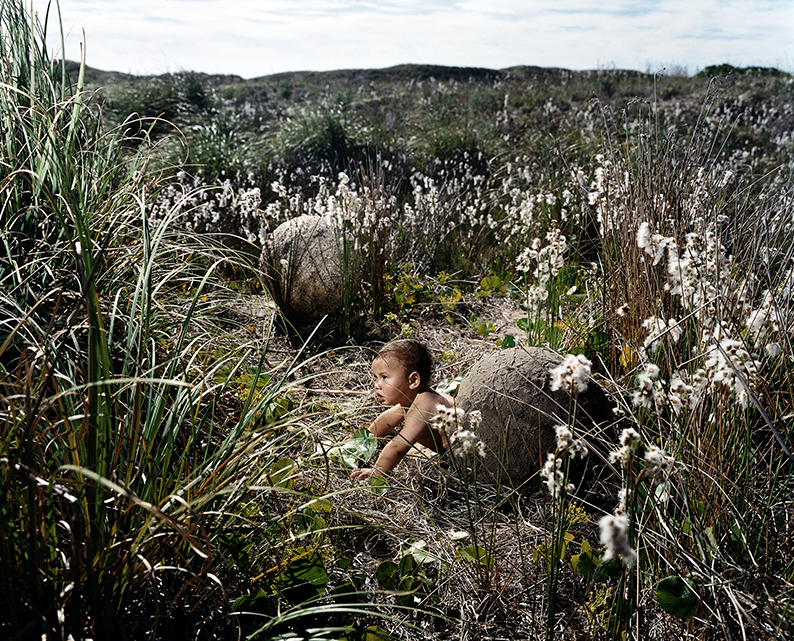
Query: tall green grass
<point>130,432</point>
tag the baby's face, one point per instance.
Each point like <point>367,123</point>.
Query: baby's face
<point>392,386</point>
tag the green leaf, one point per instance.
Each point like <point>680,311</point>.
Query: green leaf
<point>485,328</point>
<point>611,568</point>
<point>714,549</point>
<point>376,633</point>
<point>345,593</point>
<point>305,577</point>
<point>358,579</point>
<point>418,550</point>
<point>677,596</point>
<point>546,550</point>
<point>590,565</point>
<point>567,538</point>
<point>598,341</point>
<point>276,409</point>
<point>476,555</point>
<point>408,565</point>
<point>451,299</point>
<point>251,602</point>
<point>387,575</point>
<point>524,324</point>
<point>283,472</point>
<point>508,342</point>
<point>321,506</point>
<point>410,588</point>
<point>356,450</point>
<point>319,524</point>
<point>344,563</point>
<point>378,484</point>
<point>588,562</point>
<point>584,564</point>
<point>357,632</point>
<point>308,521</point>
<point>449,385</point>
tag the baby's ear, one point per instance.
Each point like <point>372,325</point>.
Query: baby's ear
<point>414,380</point>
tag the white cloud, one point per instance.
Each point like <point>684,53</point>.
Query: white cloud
<point>257,37</point>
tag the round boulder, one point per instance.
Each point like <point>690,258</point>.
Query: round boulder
<point>512,390</point>
<point>302,262</point>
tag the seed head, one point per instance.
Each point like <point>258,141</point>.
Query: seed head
<point>614,537</point>
<point>571,375</point>
<point>658,465</point>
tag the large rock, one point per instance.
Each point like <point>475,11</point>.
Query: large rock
<point>512,389</point>
<point>302,259</point>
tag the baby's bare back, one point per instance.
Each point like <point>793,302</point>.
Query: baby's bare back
<point>426,404</point>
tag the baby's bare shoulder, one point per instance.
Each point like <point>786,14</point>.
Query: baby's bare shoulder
<point>429,400</point>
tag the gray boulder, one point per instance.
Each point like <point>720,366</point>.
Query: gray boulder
<point>512,390</point>
<point>302,261</point>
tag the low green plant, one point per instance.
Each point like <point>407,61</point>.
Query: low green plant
<point>483,328</point>
<point>493,285</point>
<point>406,578</point>
<point>356,450</point>
<point>408,290</point>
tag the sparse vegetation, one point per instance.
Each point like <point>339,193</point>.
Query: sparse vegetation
<point>169,456</point>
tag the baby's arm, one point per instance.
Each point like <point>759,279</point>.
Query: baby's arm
<point>387,421</point>
<point>385,424</point>
<point>395,450</point>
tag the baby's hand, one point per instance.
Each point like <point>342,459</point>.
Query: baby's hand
<point>364,473</point>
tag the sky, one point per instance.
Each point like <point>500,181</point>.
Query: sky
<point>253,38</point>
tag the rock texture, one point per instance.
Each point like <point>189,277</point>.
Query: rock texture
<point>512,389</point>
<point>302,259</point>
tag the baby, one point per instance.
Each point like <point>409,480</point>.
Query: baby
<point>402,372</point>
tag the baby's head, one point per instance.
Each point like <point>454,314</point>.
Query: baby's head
<point>412,356</point>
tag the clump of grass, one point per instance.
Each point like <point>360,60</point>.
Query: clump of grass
<point>162,101</point>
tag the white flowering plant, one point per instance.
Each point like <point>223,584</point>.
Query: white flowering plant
<point>461,432</point>
<point>571,375</point>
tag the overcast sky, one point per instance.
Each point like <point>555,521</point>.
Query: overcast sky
<point>254,38</point>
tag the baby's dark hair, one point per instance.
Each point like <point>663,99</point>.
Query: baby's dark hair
<point>413,356</point>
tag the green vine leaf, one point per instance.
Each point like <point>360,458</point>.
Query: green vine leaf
<point>449,386</point>
<point>677,596</point>
<point>475,554</point>
<point>356,450</point>
<point>508,342</point>
<point>305,577</point>
<point>378,484</point>
<point>387,575</point>
<point>283,473</point>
